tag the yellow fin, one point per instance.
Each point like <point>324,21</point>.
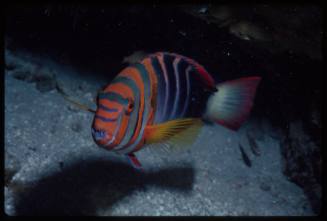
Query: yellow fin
<point>181,131</point>
<point>185,138</point>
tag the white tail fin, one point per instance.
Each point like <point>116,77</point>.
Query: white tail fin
<point>232,103</point>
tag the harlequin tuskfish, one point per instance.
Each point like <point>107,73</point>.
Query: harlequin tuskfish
<point>163,95</point>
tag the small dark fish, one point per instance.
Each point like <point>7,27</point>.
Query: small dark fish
<point>245,157</point>
<point>253,144</point>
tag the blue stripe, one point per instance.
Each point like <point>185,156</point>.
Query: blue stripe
<point>188,91</point>
<point>160,89</point>
<point>182,66</point>
<point>112,96</point>
<point>105,119</point>
<point>174,112</point>
<point>168,62</point>
<point>127,81</point>
<point>145,115</point>
<point>107,109</point>
<point>132,123</point>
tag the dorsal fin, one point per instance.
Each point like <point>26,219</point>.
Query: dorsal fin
<point>207,79</point>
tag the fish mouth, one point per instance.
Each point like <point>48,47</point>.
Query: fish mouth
<point>98,135</point>
<point>102,138</point>
<point>113,138</point>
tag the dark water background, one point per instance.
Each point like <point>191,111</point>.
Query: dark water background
<point>96,38</point>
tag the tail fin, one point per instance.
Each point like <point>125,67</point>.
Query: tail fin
<point>232,103</point>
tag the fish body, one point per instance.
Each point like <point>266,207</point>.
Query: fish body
<point>162,95</point>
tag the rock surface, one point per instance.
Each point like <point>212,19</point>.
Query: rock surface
<point>296,28</point>
<point>303,162</point>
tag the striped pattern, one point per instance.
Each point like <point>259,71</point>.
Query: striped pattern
<point>162,87</point>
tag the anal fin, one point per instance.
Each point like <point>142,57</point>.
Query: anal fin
<point>177,133</point>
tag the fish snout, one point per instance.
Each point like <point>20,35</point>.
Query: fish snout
<point>98,134</point>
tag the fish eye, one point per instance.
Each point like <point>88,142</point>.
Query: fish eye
<point>130,106</point>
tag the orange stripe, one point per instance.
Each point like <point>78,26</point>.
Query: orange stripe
<point>154,87</point>
<point>153,82</point>
<point>121,132</point>
<point>133,73</point>
<point>120,88</point>
<point>110,104</point>
<point>107,126</point>
<point>126,92</point>
<point>110,127</point>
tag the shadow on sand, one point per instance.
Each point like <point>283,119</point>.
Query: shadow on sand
<point>86,186</point>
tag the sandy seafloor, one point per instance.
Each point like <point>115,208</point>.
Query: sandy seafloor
<point>54,167</point>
